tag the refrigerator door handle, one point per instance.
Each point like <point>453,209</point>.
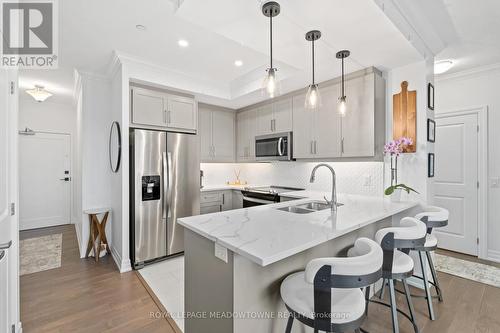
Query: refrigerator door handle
<point>165,185</point>
<point>169,179</point>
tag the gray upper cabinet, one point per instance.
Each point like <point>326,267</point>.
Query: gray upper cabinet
<point>275,117</point>
<point>159,110</point>
<point>217,134</point>
<point>317,133</point>
<point>246,129</point>
<point>323,134</point>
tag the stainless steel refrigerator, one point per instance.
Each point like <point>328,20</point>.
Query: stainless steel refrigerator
<point>164,186</point>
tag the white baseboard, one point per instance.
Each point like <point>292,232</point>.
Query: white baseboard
<point>493,255</point>
<point>79,239</point>
<point>123,265</point>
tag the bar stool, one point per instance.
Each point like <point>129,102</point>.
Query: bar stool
<point>398,265</point>
<point>327,295</point>
<point>433,217</point>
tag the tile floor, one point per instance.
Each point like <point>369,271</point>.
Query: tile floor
<point>166,280</point>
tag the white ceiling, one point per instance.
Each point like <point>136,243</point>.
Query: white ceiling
<point>477,25</point>
<point>220,32</point>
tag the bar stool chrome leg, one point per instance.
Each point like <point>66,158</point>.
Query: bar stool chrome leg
<point>410,305</point>
<point>434,276</point>
<point>428,295</point>
<point>394,307</point>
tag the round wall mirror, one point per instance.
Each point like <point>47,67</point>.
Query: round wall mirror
<point>115,146</point>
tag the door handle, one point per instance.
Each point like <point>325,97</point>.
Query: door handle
<point>5,246</point>
<point>66,179</point>
<point>165,184</point>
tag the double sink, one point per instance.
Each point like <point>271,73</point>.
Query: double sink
<point>306,208</point>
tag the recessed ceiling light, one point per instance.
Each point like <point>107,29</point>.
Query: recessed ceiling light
<point>183,43</point>
<point>442,66</point>
<point>238,63</point>
<point>140,27</point>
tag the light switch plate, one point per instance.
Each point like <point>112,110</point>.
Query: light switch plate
<point>495,182</point>
<point>221,252</point>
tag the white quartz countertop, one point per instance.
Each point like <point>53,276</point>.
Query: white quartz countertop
<point>266,235</point>
<point>223,187</point>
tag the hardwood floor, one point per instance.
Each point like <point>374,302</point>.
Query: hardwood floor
<point>468,307</point>
<point>84,296</point>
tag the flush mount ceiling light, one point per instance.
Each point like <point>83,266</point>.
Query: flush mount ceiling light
<point>342,104</point>
<point>270,85</point>
<point>313,98</point>
<point>183,43</point>
<point>39,93</point>
<point>238,63</point>
<point>442,66</point>
<point>140,27</point>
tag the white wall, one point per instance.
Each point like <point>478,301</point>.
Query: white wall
<point>468,90</point>
<point>364,178</point>
<point>94,124</point>
<point>412,169</point>
<point>52,118</point>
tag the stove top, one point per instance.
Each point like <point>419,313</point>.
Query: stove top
<point>272,189</point>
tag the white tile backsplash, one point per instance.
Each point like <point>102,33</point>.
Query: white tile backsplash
<point>364,178</point>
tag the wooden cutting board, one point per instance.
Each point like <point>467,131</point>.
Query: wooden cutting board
<point>404,116</point>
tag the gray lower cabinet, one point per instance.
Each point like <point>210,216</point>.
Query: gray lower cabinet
<point>237,199</point>
<point>217,201</point>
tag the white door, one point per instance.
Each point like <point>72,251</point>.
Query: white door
<point>44,180</point>
<point>223,135</point>
<point>456,179</point>
<point>9,236</point>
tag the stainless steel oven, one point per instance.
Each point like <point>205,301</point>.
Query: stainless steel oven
<point>257,196</point>
<point>274,147</point>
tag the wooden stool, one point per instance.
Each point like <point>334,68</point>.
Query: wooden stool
<point>97,230</point>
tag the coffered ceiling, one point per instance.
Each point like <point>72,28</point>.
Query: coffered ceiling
<point>219,32</point>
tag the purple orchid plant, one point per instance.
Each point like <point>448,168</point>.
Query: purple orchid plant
<point>394,149</point>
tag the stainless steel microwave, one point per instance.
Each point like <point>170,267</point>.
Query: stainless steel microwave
<point>274,147</point>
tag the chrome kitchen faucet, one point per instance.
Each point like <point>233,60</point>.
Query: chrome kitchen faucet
<point>333,202</point>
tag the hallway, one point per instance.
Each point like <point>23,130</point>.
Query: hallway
<point>84,296</point>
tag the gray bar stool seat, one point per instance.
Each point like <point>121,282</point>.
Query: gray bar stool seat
<point>327,296</point>
<point>433,217</point>
<point>398,265</point>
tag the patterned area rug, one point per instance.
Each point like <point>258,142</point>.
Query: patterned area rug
<point>40,253</point>
<point>468,270</point>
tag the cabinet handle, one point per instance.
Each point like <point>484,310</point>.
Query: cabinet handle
<point>223,198</point>
<point>312,151</point>
<point>315,151</point>
<point>274,125</point>
<point>342,145</point>
<point>169,116</point>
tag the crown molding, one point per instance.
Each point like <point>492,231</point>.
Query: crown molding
<point>468,72</point>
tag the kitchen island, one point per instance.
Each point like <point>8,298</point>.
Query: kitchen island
<point>235,260</point>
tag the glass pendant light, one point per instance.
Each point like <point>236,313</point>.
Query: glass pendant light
<point>270,86</point>
<point>342,104</point>
<point>313,98</point>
